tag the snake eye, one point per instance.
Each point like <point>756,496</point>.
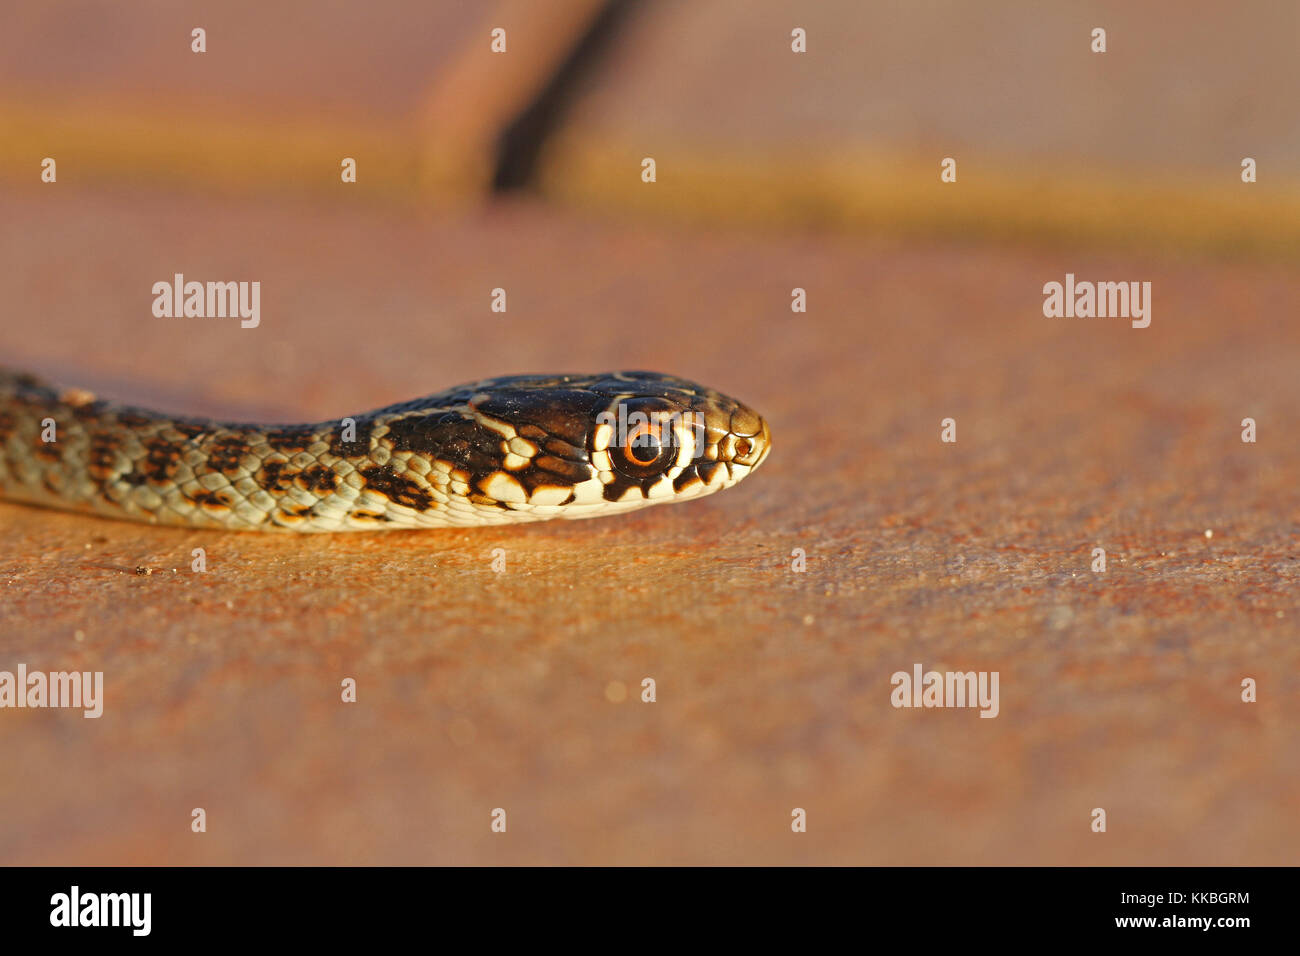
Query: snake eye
<point>643,450</point>
<point>649,449</point>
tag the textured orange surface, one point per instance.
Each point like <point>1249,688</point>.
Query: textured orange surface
<point>520,690</point>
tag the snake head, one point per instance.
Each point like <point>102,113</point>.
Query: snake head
<point>586,446</point>
<point>666,436</point>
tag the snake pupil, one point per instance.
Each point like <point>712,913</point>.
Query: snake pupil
<point>644,449</point>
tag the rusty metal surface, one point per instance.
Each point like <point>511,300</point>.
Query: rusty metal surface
<point>521,689</point>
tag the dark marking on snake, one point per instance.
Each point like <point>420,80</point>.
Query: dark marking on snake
<point>162,460</point>
<point>289,440</point>
<point>360,445</point>
<point>210,499</point>
<point>101,461</point>
<point>225,455</point>
<point>396,488</point>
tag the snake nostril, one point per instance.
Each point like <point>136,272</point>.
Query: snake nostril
<point>743,447</point>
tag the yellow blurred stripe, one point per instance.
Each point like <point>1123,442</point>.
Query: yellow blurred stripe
<point>195,147</point>
<point>851,191</point>
<point>887,193</point>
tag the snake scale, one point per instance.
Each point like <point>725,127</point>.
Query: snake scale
<point>520,448</point>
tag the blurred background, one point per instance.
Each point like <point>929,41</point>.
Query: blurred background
<point>775,170</point>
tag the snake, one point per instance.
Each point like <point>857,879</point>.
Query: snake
<point>497,451</point>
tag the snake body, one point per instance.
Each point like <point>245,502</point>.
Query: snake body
<point>520,448</point>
